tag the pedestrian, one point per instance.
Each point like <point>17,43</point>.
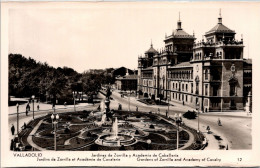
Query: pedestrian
<point>38,107</point>
<point>24,126</point>
<point>119,106</point>
<point>158,111</point>
<point>12,129</point>
<point>28,107</point>
<point>12,145</point>
<point>219,122</point>
<point>136,108</point>
<point>208,129</point>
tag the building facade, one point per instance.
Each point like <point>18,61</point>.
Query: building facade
<point>126,83</point>
<point>211,74</point>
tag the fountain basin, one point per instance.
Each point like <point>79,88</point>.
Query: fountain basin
<point>115,141</point>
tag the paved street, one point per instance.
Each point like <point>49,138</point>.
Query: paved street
<point>234,132</point>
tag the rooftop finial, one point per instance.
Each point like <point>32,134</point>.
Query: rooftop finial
<point>151,42</point>
<point>179,23</point>
<point>220,18</point>
<point>193,33</point>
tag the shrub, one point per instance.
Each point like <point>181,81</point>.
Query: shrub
<point>190,115</point>
<point>122,147</point>
<point>145,94</point>
<point>66,131</point>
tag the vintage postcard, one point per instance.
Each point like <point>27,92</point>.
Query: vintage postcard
<point>150,84</point>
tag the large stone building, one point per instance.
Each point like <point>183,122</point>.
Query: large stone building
<point>126,83</point>
<point>211,74</point>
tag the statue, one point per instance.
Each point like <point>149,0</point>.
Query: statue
<point>107,103</point>
<point>108,93</point>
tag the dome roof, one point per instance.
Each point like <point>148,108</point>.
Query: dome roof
<point>220,28</point>
<point>179,33</point>
<point>151,50</point>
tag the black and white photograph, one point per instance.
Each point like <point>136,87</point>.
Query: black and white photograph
<point>129,83</point>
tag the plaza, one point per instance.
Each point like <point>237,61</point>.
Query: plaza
<point>83,130</point>
<point>94,130</point>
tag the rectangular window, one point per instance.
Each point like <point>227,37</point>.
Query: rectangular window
<point>206,74</point>
<point>186,98</point>
<point>215,91</point>
<point>191,87</point>
<point>206,89</point>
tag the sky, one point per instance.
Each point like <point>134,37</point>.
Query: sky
<point>97,35</point>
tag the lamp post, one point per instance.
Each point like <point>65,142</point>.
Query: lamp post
<point>168,96</point>
<point>55,120</point>
<point>53,107</point>
<point>74,93</point>
<point>148,143</point>
<point>17,106</point>
<point>33,105</point>
<point>178,121</point>
<point>197,108</point>
<point>129,101</point>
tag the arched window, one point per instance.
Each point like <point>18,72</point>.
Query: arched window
<point>232,84</point>
<point>197,88</point>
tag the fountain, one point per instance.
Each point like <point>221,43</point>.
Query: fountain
<point>114,138</point>
<point>115,129</point>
